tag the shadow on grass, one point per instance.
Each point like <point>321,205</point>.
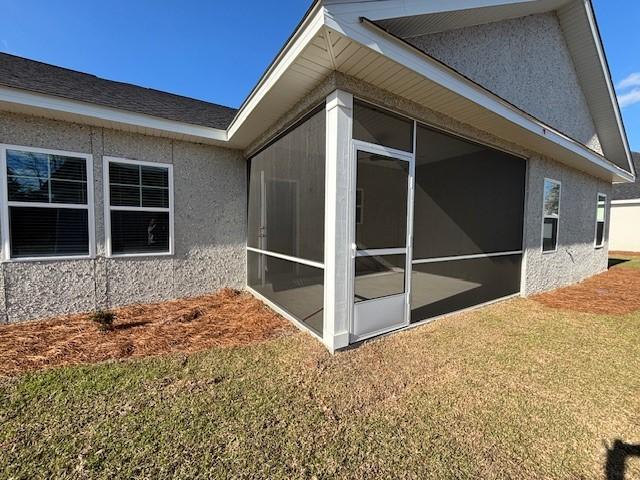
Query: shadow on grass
<point>617,261</point>
<point>617,455</point>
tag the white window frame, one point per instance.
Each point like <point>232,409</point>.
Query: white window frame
<point>106,160</point>
<point>4,214</point>
<point>557,217</point>
<point>604,227</point>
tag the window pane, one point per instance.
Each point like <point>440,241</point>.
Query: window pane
<point>549,234</point>
<point>122,196</point>
<point>551,198</point>
<point>28,189</point>
<point>27,164</point>
<point>602,208</point>
<point>155,197</point>
<point>444,287</point>
<point>296,288</point>
<point>600,233</point>
<point>286,193</point>
<point>383,181</point>
<point>124,173</point>
<point>155,176</point>
<point>40,232</point>
<point>68,192</point>
<point>469,198</point>
<point>379,276</point>
<point>68,168</point>
<point>378,126</point>
<point>139,232</point>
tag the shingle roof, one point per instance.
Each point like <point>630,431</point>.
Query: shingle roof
<point>48,79</point>
<point>626,191</point>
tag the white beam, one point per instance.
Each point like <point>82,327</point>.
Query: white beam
<point>338,301</point>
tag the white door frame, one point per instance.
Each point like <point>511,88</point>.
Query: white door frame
<point>409,157</point>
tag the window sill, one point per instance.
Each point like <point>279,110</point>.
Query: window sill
<point>139,255</point>
<point>547,252</point>
<point>599,247</point>
<point>48,259</point>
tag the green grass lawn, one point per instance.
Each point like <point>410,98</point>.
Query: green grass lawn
<point>515,390</point>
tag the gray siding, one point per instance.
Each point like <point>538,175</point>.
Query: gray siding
<point>576,258</point>
<point>210,226</point>
<point>525,61</point>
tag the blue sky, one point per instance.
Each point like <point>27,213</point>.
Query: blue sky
<point>216,50</point>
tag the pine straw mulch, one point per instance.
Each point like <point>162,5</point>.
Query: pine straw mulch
<point>615,292</point>
<point>224,319</point>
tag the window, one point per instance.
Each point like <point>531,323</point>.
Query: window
<point>550,215</point>
<point>48,207</point>
<point>601,214</point>
<point>138,207</point>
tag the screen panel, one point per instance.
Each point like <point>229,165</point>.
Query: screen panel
<point>296,288</point>
<point>286,192</point>
<point>379,276</point>
<point>384,183</point>
<point>381,127</point>
<point>469,198</point>
<point>444,287</point>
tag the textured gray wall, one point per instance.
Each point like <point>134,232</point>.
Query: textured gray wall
<point>576,258</point>
<point>525,61</point>
<point>210,226</point>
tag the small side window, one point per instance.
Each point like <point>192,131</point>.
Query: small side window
<point>601,214</point>
<point>550,215</point>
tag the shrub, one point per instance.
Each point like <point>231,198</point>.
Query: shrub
<point>104,319</point>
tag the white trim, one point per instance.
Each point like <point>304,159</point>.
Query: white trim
<point>4,213</point>
<point>281,256</point>
<point>287,56</point>
<point>593,26</point>
<point>81,111</point>
<point>376,252</point>
<point>604,222</point>
<point>557,217</point>
<point>466,257</point>
<point>393,48</point>
<point>339,199</point>
<point>382,150</point>
<point>284,313</point>
<point>631,201</point>
<point>106,160</point>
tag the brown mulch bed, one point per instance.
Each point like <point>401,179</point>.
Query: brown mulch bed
<point>224,319</point>
<point>616,292</point>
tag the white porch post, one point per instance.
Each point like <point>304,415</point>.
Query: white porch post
<point>337,251</point>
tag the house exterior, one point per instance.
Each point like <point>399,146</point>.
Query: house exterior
<point>398,161</point>
<point>624,233</point>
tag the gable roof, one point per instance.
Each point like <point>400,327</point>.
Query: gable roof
<point>410,18</point>
<point>628,191</point>
<point>34,76</point>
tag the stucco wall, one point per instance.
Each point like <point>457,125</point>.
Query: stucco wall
<point>625,227</point>
<point>576,257</point>
<point>210,226</point>
<point>525,61</point>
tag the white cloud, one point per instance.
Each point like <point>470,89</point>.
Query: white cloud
<point>629,98</point>
<point>632,80</point>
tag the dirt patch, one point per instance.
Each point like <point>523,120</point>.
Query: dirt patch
<point>227,318</point>
<point>616,291</point>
